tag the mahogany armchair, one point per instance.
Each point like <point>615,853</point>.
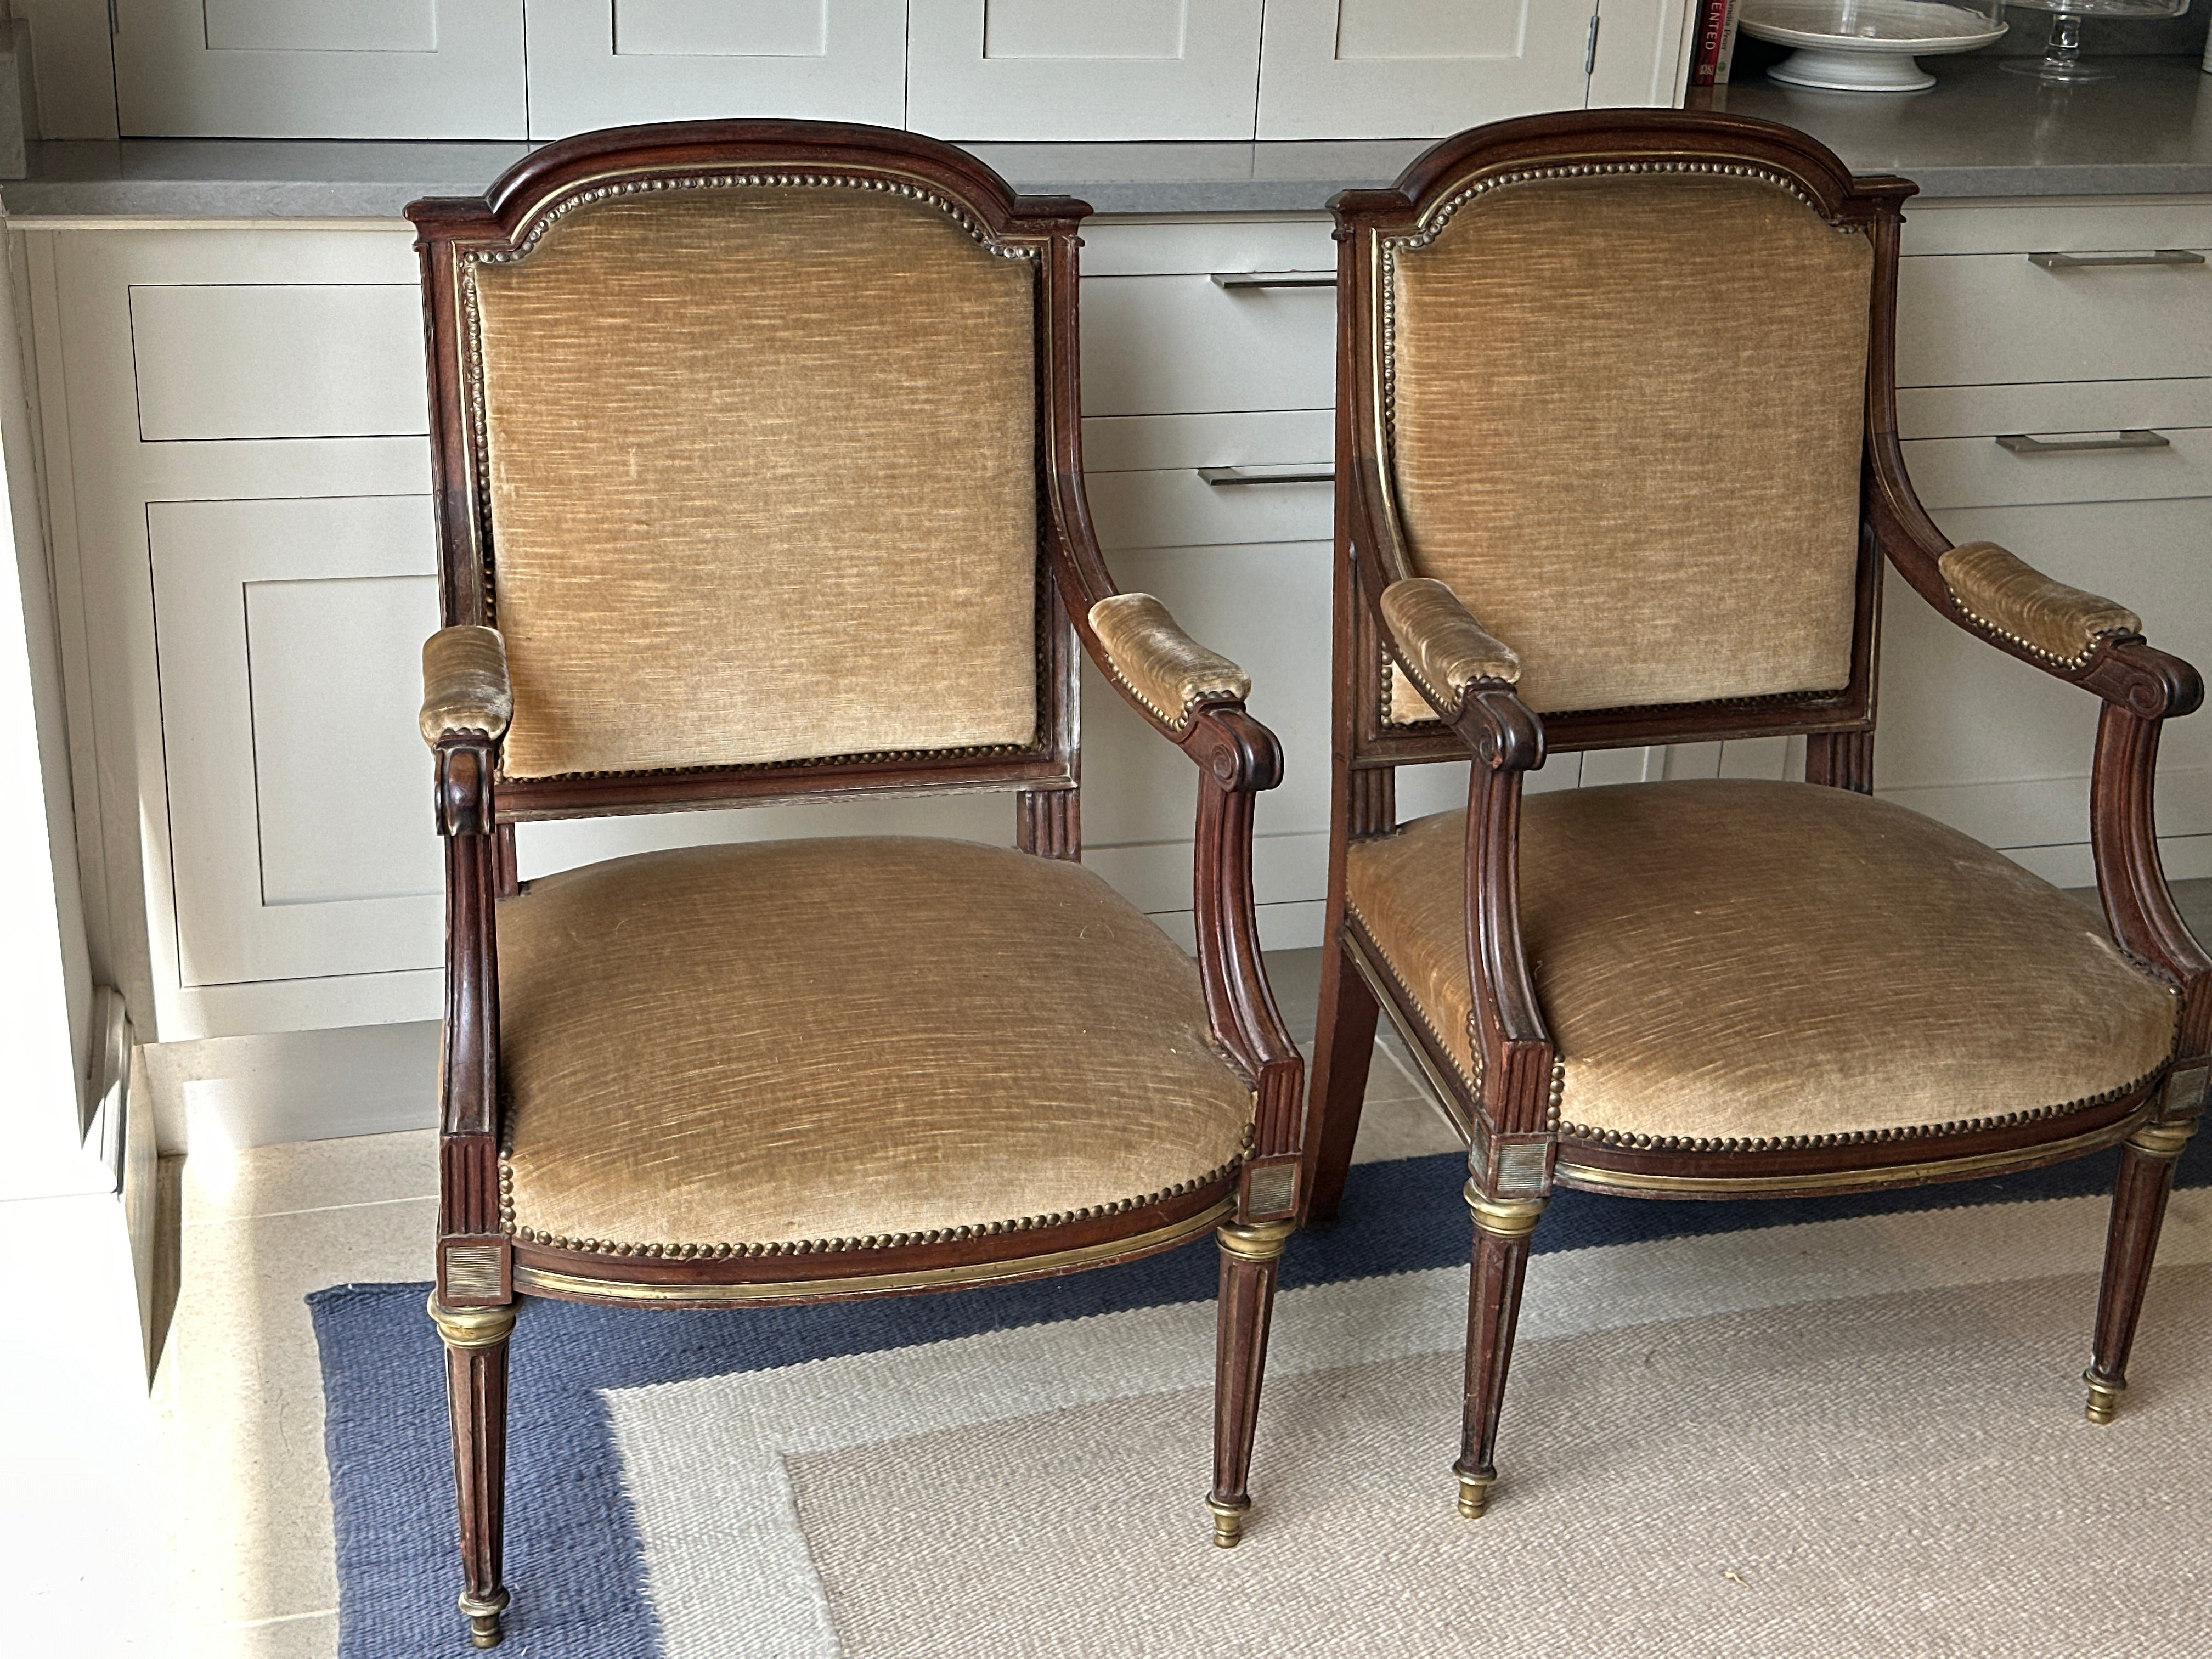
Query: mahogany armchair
<point>759,478</point>
<point>1616,414</point>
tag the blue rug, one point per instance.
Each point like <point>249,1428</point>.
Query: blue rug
<point>574,1549</point>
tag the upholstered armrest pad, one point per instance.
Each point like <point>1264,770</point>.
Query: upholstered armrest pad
<point>1444,649</point>
<point>465,684</point>
<point>2022,603</point>
<point>1170,671</point>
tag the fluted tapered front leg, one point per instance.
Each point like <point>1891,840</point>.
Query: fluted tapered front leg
<point>1249,1255</point>
<point>476,1341</point>
<point>2146,1180</point>
<point>1502,1228</point>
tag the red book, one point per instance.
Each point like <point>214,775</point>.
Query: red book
<point>1715,23</point>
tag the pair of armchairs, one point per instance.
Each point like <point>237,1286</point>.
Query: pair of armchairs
<point>759,478</point>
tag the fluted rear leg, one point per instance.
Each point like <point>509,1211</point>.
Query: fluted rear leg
<point>1344,1048</point>
<point>1502,1228</point>
<point>2147,1164</point>
<point>1249,1254</point>
<point>476,1341</point>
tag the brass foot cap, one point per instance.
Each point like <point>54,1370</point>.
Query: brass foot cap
<point>1474,1493</point>
<point>2104,1398</point>
<point>482,1613</point>
<point>1228,1521</point>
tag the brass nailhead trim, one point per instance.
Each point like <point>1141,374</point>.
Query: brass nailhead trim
<point>688,1252</point>
<point>2077,660</point>
<point>1852,1137</point>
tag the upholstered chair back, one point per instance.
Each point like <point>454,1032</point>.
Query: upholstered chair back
<point>1624,410</point>
<point>759,467</point>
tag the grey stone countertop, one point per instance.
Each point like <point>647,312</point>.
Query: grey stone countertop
<point>1978,132</point>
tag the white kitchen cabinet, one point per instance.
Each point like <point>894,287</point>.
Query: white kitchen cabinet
<point>1419,68</point>
<point>1045,69</point>
<point>318,68</point>
<point>606,63</point>
<point>1993,345</point>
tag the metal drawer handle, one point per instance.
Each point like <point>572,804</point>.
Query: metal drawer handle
<point>1275,279</point>
<point>1219,475</point>
<point>2165,256</point>
<point>2020,444</point>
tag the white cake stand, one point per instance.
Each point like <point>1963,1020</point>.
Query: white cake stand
<point>1863,45</point>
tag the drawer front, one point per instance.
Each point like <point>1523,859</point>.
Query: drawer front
<point>1186,344</point>
<point>264,361</point>
<point>1950,472</point>
<point>1967,319</point>
<point>1209,480</point>
<point>1982,411</point>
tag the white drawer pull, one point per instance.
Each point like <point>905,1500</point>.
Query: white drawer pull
<point>1233,279</point>
<point>1219,475</point>
<point>2020,444</point>
<point>2165,256</point>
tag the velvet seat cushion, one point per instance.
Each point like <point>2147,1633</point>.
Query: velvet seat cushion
<point>829,1044</point>
<point>1727,962</point>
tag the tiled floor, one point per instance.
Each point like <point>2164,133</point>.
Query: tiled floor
<point>239,1391</point>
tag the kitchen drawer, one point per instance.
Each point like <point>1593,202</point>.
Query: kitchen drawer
<point>1182,342</point>
<point>261,360</point>
<point>1146,477</point>
<point>1975,319</point>
<point>1956,472</point>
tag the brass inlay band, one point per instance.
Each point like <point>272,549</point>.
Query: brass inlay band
<point>1890,1175</point>
<point>1259,1240</point>
<point>472,1328</point>
<point>547,1282</point>
<point>1505,1218</point>
<point>2163,1140</point>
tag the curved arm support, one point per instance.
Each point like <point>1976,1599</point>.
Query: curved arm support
<point>2124,836</point>
<point>1237,757</point>
<point>1508,1028</point>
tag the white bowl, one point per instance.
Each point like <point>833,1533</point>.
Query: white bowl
<point>1863,45</point>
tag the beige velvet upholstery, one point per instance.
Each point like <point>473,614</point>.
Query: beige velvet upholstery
<point>762,482</point>
<point>1170,671</point>
<point>1626,427</point>
<point>1728,962</point>
<point>810,1042</point>
<point>2022,603</point>
<point>465,685</point>
<point>1449,650</point>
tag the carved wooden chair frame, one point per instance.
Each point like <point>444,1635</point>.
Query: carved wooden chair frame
<point>1511,1122</point>
<point>481,1267</point>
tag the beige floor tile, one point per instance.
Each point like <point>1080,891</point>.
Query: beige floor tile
<point>248,1488</point>
<point>315,1636</point>
<point>222,1184</point>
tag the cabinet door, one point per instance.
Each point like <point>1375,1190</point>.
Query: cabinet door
<point>289,635</point>
<point>603,62</point>
<point>1417,69</point>
<point>318,68</point>
<point>1045,69</point>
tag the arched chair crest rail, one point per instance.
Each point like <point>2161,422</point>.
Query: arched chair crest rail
<point>1616,417</point>
<point>759,479</point>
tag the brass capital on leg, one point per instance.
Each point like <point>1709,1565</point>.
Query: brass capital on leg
<point>1258,1241</point>
<point>483,1613</point>
<point>472,1328</point>
<point>1505,1218</point>
<point>2163,1139</point>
